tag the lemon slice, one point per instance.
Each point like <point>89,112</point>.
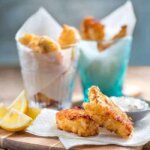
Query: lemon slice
<point>3,110</point>
<point>33,112</point>
<point>15,120</point>
<point>20,103</point>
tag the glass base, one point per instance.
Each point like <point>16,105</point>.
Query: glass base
<point>57,106</point>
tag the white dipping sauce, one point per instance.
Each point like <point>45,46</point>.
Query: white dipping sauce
<point>129,104</point>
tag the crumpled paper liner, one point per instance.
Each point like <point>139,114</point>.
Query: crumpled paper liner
<point>107,68</point>
<point>124,15</point>
<point>51,74</point>
<point>45,126</point>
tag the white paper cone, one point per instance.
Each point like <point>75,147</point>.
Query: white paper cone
<point>124,15</point>
<point>46,73</point>
<point>41,23</point>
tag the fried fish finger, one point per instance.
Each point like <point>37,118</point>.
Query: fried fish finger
<point>68,36</point>
<point>107,114</point>
<point>47,44</point>
<point>76,121</point>
<point>122,33</point>
<point>39,44</point>
<point>91,29</point>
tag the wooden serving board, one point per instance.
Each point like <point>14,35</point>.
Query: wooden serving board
<point>25,141</point>
<point>137,84</point>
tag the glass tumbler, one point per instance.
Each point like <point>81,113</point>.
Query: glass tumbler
<point>49,78</point>
<point>105,69</point>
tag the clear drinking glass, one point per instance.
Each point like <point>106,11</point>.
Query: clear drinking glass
<point>104,69</point>
<point>49,78</point>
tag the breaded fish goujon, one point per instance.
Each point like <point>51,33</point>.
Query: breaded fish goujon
<point>76,121</point>
<point>107,114</point>
<point>68,36</point>
<point>39,44</point>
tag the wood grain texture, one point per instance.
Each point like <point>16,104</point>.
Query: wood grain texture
<point>29,142</point>
<point>146,146</point>
<point>137,79</point>
<point>22,139</point>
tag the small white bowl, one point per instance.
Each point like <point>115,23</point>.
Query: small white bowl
<point>140,114</point>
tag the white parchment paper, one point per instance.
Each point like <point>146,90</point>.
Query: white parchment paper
<point>107,68</point>
<point>45,125</point>
<point>124,15</point>
<point>49,73</point>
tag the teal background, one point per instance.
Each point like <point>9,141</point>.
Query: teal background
<point>13,14</point>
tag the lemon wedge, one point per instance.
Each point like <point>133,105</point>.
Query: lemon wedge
<point>3,110</point>
<point>33,112</point>
<point>20,103</point>
<point>15,120</point>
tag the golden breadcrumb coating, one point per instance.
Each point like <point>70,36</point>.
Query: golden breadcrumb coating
<point>102,45</point>
<point>108,115</point>
<point>30,40</point>
<point>47,44</point>
<point>26,39</point>
<point>92,29</point>
<point>122,33</point>
<point>68,36</point>
<point>39,44</point>
<point>76,121</point>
